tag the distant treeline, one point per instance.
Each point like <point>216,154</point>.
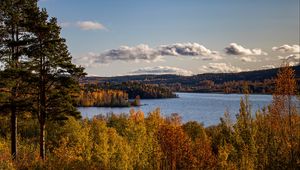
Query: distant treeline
<point>106,98</point>
<point>133,89</point>
<point>261,81</point>
<point>102,98</point>
<point>209,86</point>
<point>118,94</point>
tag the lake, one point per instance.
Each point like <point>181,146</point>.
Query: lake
<point>206,108</point>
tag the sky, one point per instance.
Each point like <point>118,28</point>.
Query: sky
<point>185,37</point>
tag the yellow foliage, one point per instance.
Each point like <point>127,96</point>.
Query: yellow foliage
<point>268,141</point>
<point>5,158</point>
<point>136,116</point>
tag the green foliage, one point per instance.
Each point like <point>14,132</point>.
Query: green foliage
<point>245,132</point>
<point>194,130</point>
<point>38,75</point>
<point>137,101</point>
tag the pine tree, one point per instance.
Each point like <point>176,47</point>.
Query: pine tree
<point>14,39</point>
<point>56,78</point>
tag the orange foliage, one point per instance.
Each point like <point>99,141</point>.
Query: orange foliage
<point>176,147</point>
<point>103,98</point>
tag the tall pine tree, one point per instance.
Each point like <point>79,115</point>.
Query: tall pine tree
<point>14,40</point>
<point>55,77</point>
<point>38,73</point>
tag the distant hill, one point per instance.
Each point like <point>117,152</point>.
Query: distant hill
<point>260,81</point>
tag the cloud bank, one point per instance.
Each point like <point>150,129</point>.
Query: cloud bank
<point>290,57</point>
<point>268,66</point>
<point>189,49</point>
<point>248,59</point>
<point>162,70</point>
<point>287,48</point>
<point>220,68</point>
<point>125,53</point>
<point>145,53</point>
<point>235,49</point>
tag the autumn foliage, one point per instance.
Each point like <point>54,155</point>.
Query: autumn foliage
<point>266,139</point>
<point>100,98</point>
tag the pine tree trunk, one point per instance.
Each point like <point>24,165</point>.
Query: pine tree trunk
<point>42,109</point>
<point>13,132</point>
<point>42,140</point>
<point>42,119</point>
<point>14,60</point>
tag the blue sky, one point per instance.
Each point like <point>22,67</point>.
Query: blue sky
<point>117,37</point>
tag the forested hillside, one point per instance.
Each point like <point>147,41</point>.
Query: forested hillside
<point>133,89</point>
<point>261,81</point>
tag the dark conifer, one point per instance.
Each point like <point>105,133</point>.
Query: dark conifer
<point>56,77</point>
<point>14,40</point>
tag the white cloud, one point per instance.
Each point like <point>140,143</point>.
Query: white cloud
<point>145,53</point>
<point>125,53</point>
<point>65,24</point>
<point>235,49</point>
<point>189,49</point>
<point>282,57</point>
<point>248,59</point>
<point>287,48</point>
<point>290,57</point>
<point>138,53</point>
<point>93,75</point>
<point>258,51</point>
<point>90,25</point>
<point>86,60</point>
<point>162,70</point>
<point>268,66</point>
<point>295,56</point>
<point>220,68</point>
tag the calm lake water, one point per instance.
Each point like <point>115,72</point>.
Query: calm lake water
<point>206,108</point>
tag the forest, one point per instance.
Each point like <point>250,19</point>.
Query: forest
<point>105,98</point>
<point>133,89</point>
<point>124,94</point>
<point>40,127</point>
<point>263,139</point>
<point>260,81</point>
